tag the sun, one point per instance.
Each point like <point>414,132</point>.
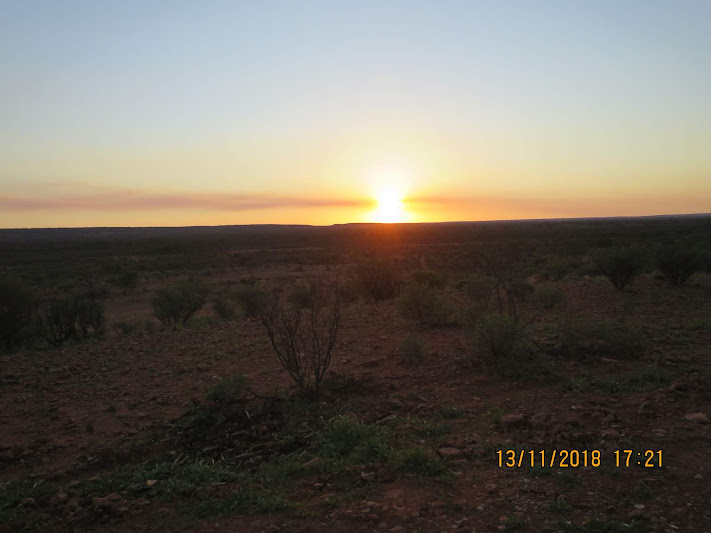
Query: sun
<point>390,206</point>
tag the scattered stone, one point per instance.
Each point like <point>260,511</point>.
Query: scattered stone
<point>512,421</point>
<point>450,453</point>
<point>59,499</point>
<point>367,476</point>
<point>697,418</point>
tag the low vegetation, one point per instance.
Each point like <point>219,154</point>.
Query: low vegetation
<point>379,279</point>
<point>303,337</point>
<point>621,265</point>
<point>423,305</point>
<point>678,263</point>
<point>175,305</point>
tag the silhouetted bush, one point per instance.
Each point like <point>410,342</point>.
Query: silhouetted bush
<point>423,305</point>
<point>250,298</point>
<point>581,337</point>
<point>90,316</point>
<point>428,278</point>
<point>379,279</point>
<point>303,337</point>
<point>412,351</point>
<point>173,306</point>
<point>678,262</point>
<point>557,268</point>
<point>134,326</point>
<point>500,341</point>
<point>621,265</point>
<point>17,303</point>
<point>224,307</point>
<point>56,321</point>
<point>548,296</point>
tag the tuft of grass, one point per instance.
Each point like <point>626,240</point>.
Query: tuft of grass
<point>644,380</point>
<point>559,505</point>
<point>227,390</point>
<point>450,412</point>
<point>344,439</point>
<point>420,462</point>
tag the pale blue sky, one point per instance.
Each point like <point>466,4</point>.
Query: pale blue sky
<point>494,99</point>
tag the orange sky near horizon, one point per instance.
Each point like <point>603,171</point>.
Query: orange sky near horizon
<point>366,111</point>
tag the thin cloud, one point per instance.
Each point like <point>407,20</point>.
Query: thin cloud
<point>136,200</point>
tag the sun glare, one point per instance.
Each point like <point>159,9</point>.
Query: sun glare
<point>390,207</point>
<point>389,184</point>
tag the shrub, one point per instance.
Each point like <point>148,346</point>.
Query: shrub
<point>423,305</point>
<point>227,390</point>
<point>134,326</point>
<point>625,340</point>
<point>421,462</point>
<point>677,263</point>
<point>521,288</point>
<point>56,321</point>
<point>90,316</point>
<point>428,278</point>
<point>127,280</point>
<point>303,338</point>
<point>346,438</point>
<point>17,303</point>
<point>621,265</point>
<point>557,268</point>
<point>251,299</point>
<point>500,341</point>
<point>300,296</point>
<point>379,279</point>
<point>580,337</point>
<point>173,306</point>
<point>548,297</point>
<point>412,351</point>
<point>224,308</point>
<point>479,288</point>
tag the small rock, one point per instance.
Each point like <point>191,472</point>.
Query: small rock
<point>512,421</point>
<point>697,418</point>
<point>450,453</point>
<point>367,476</point>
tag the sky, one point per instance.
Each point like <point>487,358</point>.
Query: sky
<point>176,113</point>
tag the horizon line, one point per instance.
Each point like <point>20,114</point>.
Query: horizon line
<point>612,217</point>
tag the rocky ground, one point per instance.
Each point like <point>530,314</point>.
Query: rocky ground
<point>122,434</point>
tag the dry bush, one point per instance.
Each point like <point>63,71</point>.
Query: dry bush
<point>90,316</point>
<point>17,304</point>
<point>557,268</point>
<point>548,297</point>
<point>621,265</point>
<point>678,263</point>
<point>500,341</point>
<point>423,305</point>
<point>379,279</point>
<point>250,298</point>
<point>303,337</point>
<point>428,278</point>
<point>174,306</point>
<point>56,321</point>
<point>224,307</point>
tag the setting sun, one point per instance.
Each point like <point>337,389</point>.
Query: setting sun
<point>390,207</point>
